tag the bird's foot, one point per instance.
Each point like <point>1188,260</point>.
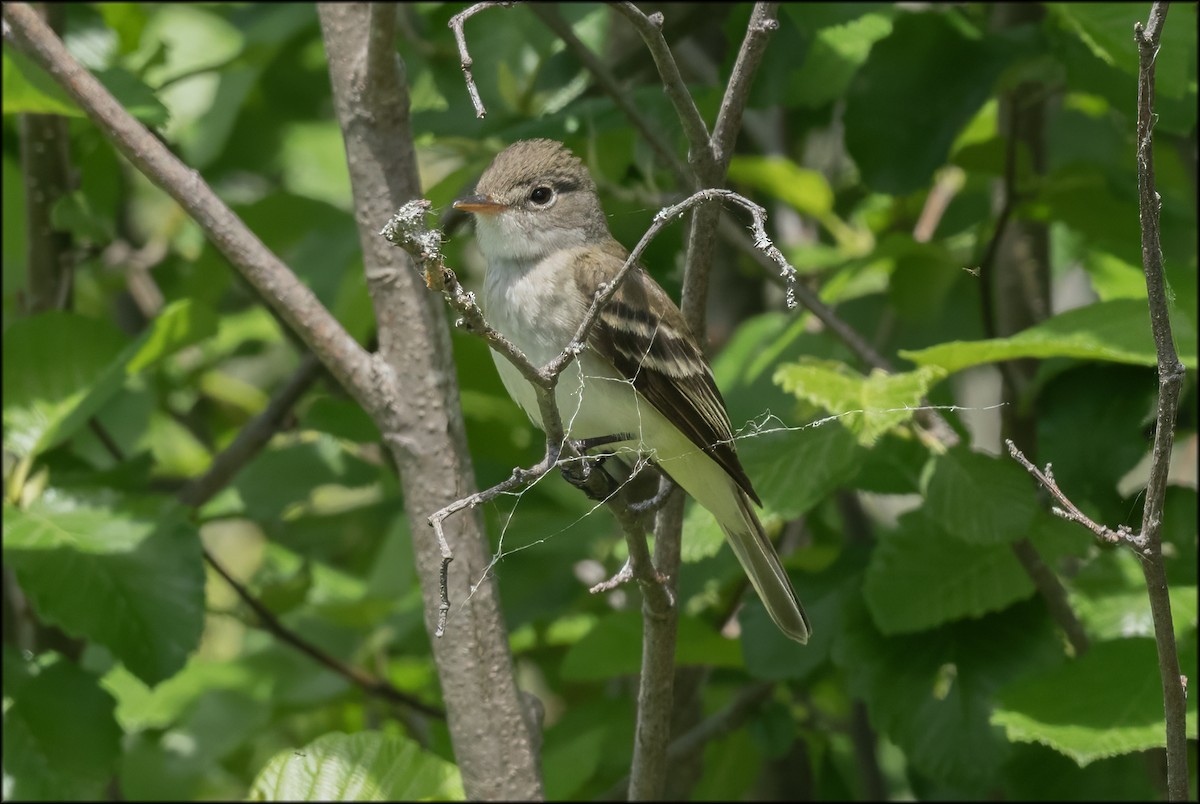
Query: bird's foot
<point>587,472</point>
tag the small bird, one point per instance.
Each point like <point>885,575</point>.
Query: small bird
<point>539,224</point>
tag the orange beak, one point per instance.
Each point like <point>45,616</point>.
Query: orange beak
<point>479,204</point>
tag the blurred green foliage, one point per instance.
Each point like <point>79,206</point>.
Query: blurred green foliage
<point>155,682</point>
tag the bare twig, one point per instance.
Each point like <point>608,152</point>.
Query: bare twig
<point>1069,511</point>
<point>763,22</point>
<point>1170,381</point>
<point>456,25</point>
<point>700,154</point>
<point>549,15</point>
<point>270,622</point>
<point>252,437</point>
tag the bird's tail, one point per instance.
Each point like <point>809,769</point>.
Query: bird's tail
<point>761,563</point>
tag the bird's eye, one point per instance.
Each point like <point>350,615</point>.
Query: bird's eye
<point>541,196</point>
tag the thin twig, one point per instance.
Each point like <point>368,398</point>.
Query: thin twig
<point>1170,381</point>
<point>1068,510</point>
<point>763,22</point>
<point>466,62</point>
<point>252,437</point>
<point>267,619</point>
<point>700,155</point>
<point>549,16</point>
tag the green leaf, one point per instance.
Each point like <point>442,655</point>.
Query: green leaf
<point>133,94</point>
<point>836,54</point>
<point>368,766</point>
<point>771,656</point>
<point>866,406</point>
<point>61,741</point>
<point>1107,702</point>
<point>60,368</point>
<point>342,418</point>
<point>981,499</point>
<point>169,765</point>
<point>931,693</point>
<point>1107,30</point>
<point>29,90</point>
<point>1117,330</point>
<point>1109,596</point>
<point>920,576</point>
<point>50,364</point>
<point>131,581</point>
<point>141,708</point>
<point>795,468</point>
<point>804,190</point>
<point>1076,405</point>
<point>890,109</point>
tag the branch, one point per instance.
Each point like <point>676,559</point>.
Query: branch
<point>252,437</point>
<point>465,60</point>
<point>729,119</point>
<point>423,425</point>
<point>554,21</point>
<point>277,285</point>
<point>375,686</point>
<point>714,727</point>
<point>1069,511</point>
<point>1170,380</point>
<point>700,154</point>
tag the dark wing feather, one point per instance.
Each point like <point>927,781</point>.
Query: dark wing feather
<point>643,335</point>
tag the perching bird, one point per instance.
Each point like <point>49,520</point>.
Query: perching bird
<point>540,226</point>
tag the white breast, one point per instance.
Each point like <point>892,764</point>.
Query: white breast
<point>529,308</point>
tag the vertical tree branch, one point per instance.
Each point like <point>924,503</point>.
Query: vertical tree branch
<point>1170,381</point>
<point>423,426</point>
<point>1015,295</point>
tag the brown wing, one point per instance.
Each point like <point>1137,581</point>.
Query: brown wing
<point>643,335</point>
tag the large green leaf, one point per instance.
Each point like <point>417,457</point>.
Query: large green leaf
<point>836,53</point>
<point>806,191</point>
<point>60,368</point>
<point>898,130</point>
<point>51,362</point>
<point>1107,702</point>
<point>931,693</point>
<point>1107,30</point>
<point>980,498</point>
<point>368,766</point>
<point>794,468</point>
<point>1117,330</point>
<point>132,581</point>
<point>61,741</point>
<point>920,576</point>
<point>1109,596</point>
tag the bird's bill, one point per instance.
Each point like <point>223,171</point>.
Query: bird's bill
<point>479,204</point>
